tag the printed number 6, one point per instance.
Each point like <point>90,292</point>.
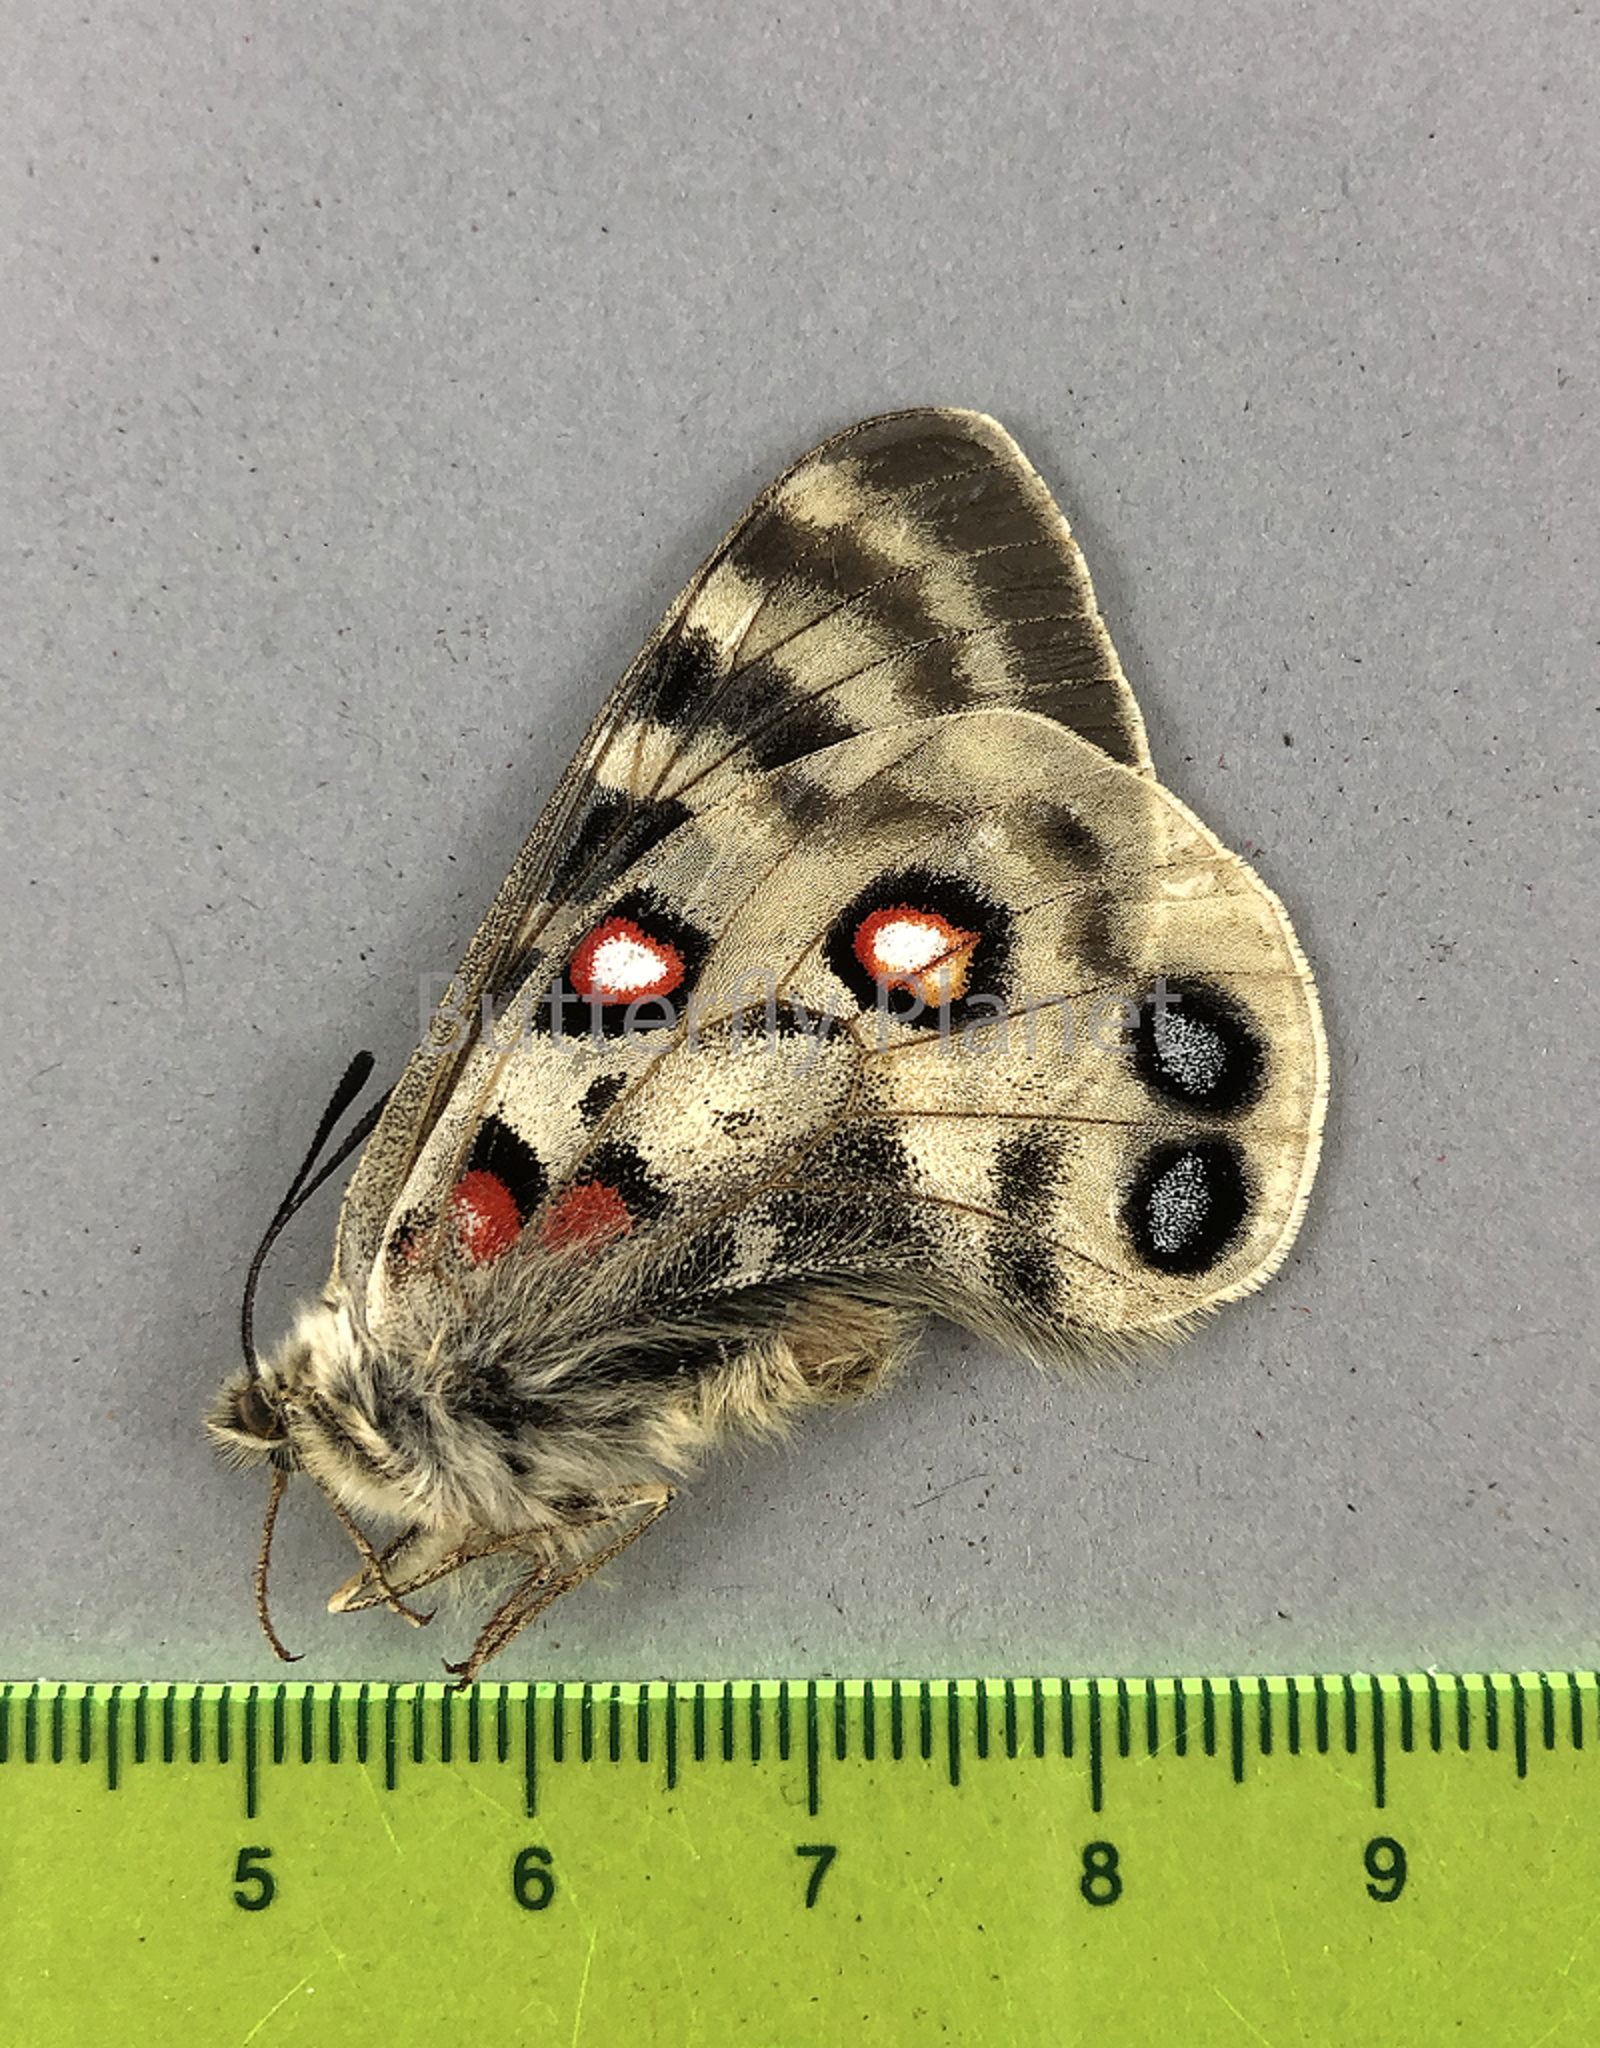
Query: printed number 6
<point>532,1881</point>
<point>251,1868</point>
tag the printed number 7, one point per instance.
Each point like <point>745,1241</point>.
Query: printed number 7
<point>824,1853</point>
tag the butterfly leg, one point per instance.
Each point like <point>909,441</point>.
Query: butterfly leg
<point>415,1558</point>
<point>544,1586</point>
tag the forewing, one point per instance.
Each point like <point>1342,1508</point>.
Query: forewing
<point>913,566</point>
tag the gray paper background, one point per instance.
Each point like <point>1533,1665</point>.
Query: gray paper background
<point>374,378</point>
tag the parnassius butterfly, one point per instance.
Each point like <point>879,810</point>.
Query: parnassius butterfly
<point>859,970</point>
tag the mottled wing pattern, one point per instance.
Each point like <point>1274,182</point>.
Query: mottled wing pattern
<point>912,567</point>
<point>1070,1087</point>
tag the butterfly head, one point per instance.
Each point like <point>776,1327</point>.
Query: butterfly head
<point>312,1405</point>
<point>298,1410</point>
<point>248,1423</point>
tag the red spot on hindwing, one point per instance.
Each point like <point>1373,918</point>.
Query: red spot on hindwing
<point>589,1213</point>
<point>908,946</point>
<point>621,962</point>
<point>487,1219</point>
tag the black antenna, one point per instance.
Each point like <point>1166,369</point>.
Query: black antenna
<point>304,1186</point>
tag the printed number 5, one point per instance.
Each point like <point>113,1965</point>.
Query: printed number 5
<point>824,1853</point>
<point>251,1868</point>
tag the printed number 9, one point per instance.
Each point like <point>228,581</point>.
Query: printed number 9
<point>251,1868</point>
<point>532,1881</point>
<point>1101,1882</point>
<point>1385,1861</point>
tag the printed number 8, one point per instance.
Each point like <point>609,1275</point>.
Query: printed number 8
<point>1101,1883</point>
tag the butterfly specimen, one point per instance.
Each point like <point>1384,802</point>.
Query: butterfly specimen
<point>859,970</point>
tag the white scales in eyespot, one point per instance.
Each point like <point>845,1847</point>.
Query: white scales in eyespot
<point>908,945</point>
<point>1176,1210</point>
<point>1192,1052</point>
<point>626,966</point>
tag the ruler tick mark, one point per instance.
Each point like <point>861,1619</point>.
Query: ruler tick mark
<point>1236,1730</point>
<point>530,1752</point>
<point>251,1780</point>
<point>113,1715</point>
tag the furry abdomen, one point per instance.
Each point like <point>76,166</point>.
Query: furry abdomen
<point>511,1406</point>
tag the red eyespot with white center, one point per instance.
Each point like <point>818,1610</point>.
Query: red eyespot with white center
<point>922,950</point>
<point>621,962</point>
<point>486,1216</point>
<point>588,1214</point>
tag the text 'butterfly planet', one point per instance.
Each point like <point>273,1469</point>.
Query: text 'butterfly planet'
<point>859,971</point>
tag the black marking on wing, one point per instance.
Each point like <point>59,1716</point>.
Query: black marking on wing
<point>406,1238</point>
<point>599,1096</point>
<point>774,724</point>
<point>618,1165</point>
<point>1204,1051</point>
<point>781,1018</point>
<point>615,831</point>
<point>850,1208</point>
<point>1097,936</point>
<point>497,1149</point>
<point>679,679</point>
<point>709,1257</point>
<point>1060,837</point>
<point>1027,1167</point>
<point>1027,1173</point>
<point>1187,1205</point>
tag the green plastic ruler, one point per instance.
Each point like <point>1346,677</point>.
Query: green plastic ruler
<point>1232,1860</point>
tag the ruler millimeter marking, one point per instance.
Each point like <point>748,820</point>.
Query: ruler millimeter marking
<point>782,1864</point>
<point>391,1725</point>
